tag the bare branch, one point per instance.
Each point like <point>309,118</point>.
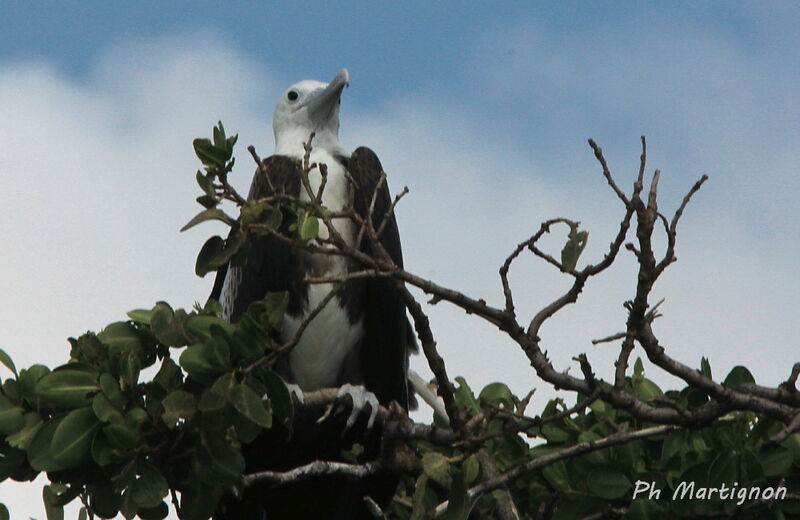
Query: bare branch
<point>374,509</point>
<point>598,153</point>
<point>314,469</point>
<point>261,168</point>
<point>387,216</point>
<point>506,477</point>
<point>435,361</point>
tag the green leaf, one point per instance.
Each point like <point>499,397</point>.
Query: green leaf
<point>723,469</point>
<point>201,325</point>
<point>471,468</point>
<point>212,307</point>
<point>250,405</point>
<point>638,367</point>
<point>178,405</point>
<point>72,440</point>
<point>571,252</point>
<point>436,466</point>
<point>280,398</point>
<point>232,246</point>
<point>40,454</point>
<point>89,349</point>
<point>673,445</point>
<point>418,499</point>
<point>136,417</point>
<point>210,251</point>
<point>131,366</point>
<point>775,461</point>
<point>102,452</point>
<point>121,436</point>
<point>219,135</point>
<point>645,389</point>
<point>464,396</point>
<point>276,304</point>
<point>207,202</point>
<point>158,512</point>
<point>12,389</point>
<point>104,410</point>
<point>643,509</point>
<point>11,460</point>
<point>208,154</point>
<point>307,226</point>
<point>8,362</point>
<point>29,378</point>
<point>120,337</point>
<point>607,483</point>
<point>250,212</point>
<point>274,218</point>
<point>11,417</point>
<point>141,316</point>
<point>205,361</point>
<point>556,474</point>
<point>54,512</point>
<point>209,214</point>
<point>128,506</point>
<point>150,487</point>
<point>205,184</point>
<point>110,388</point>
<point>458,505</point>
<point>705,367</point>
<point>500,394</point>
<point>554,434</point>
<point>739,375</point>
<point>231,141</point>
<point>168,325</point>
<point>169,375</point>
<point>63,493</point>
<point>67,388</point>
<point>199,503</point>
<point>23,438</point>
<point>227,462</point>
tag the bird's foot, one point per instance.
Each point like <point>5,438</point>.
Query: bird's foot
<point>296,392</point>
<point>360,397</point>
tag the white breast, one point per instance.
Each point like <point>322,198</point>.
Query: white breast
<point>317,359</point>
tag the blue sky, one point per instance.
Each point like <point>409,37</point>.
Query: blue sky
<point>483,111</point>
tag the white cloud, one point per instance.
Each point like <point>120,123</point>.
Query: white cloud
<point>99,178</point>
<point>99,172</point>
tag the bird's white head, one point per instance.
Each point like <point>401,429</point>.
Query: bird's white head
<point>305,107</point>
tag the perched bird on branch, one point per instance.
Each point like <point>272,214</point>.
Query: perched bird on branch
<point>359,340</point>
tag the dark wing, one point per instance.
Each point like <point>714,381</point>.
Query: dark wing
<point>388,337</point>
<point>268,262</point>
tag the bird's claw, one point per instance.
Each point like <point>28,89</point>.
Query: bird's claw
<point>296,392</point>
<point>360,397</point>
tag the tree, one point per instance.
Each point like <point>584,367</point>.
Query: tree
<point>121,444</point>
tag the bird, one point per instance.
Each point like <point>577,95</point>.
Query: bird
<point>361,339</point>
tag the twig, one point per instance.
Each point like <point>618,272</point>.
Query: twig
<point>506,477</point>
<point>506,508</point>
<point>609,339</point>
<point>390,211</point>
<point>598,153</point>
<point>175,502</point>
<point>261,168</point>
<point>317,468</point>
<point>374,509</point>
<point>435,361</point>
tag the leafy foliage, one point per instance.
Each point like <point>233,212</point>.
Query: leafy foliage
<point>121,443</point>
<point>732,452</point>
<point>125,444</point>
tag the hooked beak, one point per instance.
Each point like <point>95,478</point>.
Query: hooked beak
<point>322,103</point>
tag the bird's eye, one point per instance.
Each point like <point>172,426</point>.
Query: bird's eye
<point>292,95</point>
